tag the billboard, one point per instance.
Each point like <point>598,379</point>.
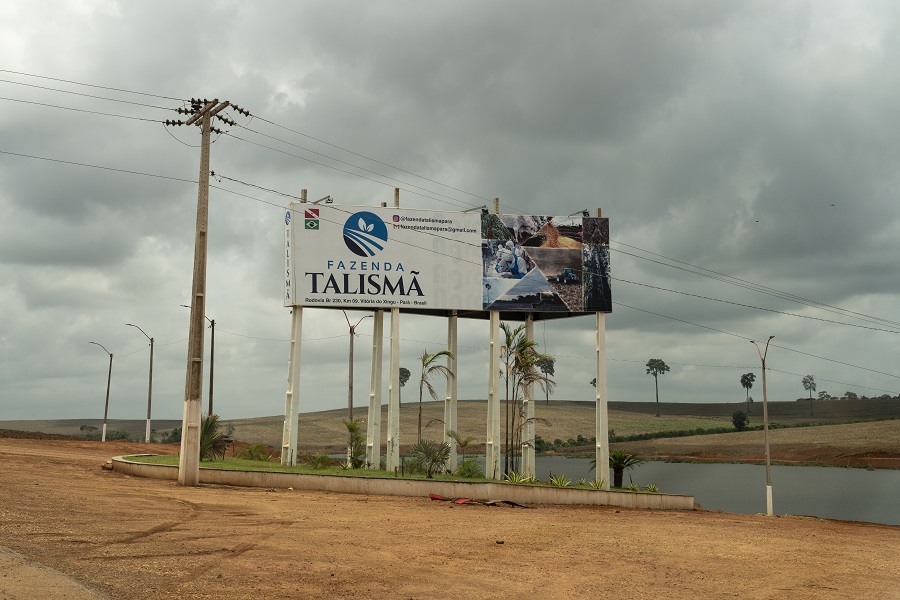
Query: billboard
<point>364,257</point>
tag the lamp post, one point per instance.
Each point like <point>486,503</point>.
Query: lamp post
<point>108,380</point>
<point>350,386</point>
<point>762,358</point>
<point>150,383</point>
<point>212,357</point>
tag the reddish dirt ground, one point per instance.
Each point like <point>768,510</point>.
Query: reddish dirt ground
<point>123,537</point>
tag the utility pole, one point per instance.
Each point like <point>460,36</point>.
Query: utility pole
<point>149,383</point>
<point>212,358</point>
<point>108,380</point>
<point>762,358</point>
<point>202,113</point>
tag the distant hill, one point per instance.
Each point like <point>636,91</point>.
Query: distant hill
<point>325,430</point>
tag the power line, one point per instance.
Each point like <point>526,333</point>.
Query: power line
<point>371,159</point>
<point>82,110</point>
<point>721,277</point>
<point>41,87</point>
<point>101,87</point>
<point>79,164</point>
<point>344,162</point>
<point>771,310</point>
<point>327,166</point>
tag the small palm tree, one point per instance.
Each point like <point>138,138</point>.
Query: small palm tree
<point>461,442</point>
<point>213,442</point>
<point>432,455</point>
<point>431,367</point>
<point>619,460</point>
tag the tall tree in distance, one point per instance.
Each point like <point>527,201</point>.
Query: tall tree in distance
<point>546,364</point>
<point>431,366</point>
<point>747,380</point>
<point>404,377</point>
<point>656,367</point>
<point>809,384</point>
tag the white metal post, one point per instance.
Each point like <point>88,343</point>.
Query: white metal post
<point>373,429</point>
<point>450,400</point>
<point>602,409</point>
<point>527,439</point>
<point>492,468</point>
<point>292,397</point>
<point>393,428</point>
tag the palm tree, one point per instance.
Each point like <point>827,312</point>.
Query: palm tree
<point>213,442</point>
<point>431,367</point>
<point>520,370</point>
<point>432,455</point>
<point>747,380</point>
<point>547,366</point>
<point>461,442</point>
<point>619,460</point>
<point>656,367</point>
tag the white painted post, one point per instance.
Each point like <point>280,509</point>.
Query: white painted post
<point>393,428</point>
<point>292,397</point>
<point>527,439</point>
<point>602,429</point>
<point>450,400</point>
<point>492,440</point>
<point>373,431</point>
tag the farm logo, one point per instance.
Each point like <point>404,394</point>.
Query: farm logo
<point>287,218</point>
<point>311,218</point>
<point>365,234</point>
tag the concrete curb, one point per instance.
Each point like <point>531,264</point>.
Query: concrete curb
<point>522,494</point>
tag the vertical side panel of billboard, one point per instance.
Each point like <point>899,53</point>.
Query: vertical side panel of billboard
<point>289,287</point>
<point>374,257</point>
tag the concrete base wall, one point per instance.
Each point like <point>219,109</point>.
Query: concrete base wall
<point>522,494</point>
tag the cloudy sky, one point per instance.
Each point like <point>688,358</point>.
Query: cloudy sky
<point>745,153</point>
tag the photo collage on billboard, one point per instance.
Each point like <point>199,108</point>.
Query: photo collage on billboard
<point>545,264</point>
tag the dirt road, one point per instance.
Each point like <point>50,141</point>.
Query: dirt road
<point>125,537</point>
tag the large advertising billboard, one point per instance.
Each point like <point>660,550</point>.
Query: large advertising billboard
<point>364,257</point>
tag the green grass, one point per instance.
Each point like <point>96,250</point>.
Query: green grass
<point>238,464</point>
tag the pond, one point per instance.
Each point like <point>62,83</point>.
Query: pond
<point>827,492</point>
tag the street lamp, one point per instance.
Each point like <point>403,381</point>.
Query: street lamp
<point>350,390</point>
<point>762,358</point>
<point>212,355</point>
<point>108,379</point>
<point>150,384</point>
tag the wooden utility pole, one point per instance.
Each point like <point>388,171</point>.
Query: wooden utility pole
<point>189,463</point>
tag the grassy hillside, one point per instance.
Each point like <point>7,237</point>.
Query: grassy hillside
<point>135,428</point>
<point>567,419</point>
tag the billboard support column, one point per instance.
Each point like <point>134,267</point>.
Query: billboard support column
<point>292,397</point>
<point>492,440</point>
<point>393,427</point>
<point>527,436</point>
<point>602,432</point>
<point>450,400</point>
<point>373,433</point>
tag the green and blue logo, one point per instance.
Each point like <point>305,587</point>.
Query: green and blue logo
<point>365,234</point>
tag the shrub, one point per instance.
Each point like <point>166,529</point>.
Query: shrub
<point>255,452</point>
<point>468,468</point>
<point>739,419</point>
<point>513,477</point>
<point>559,481</point>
